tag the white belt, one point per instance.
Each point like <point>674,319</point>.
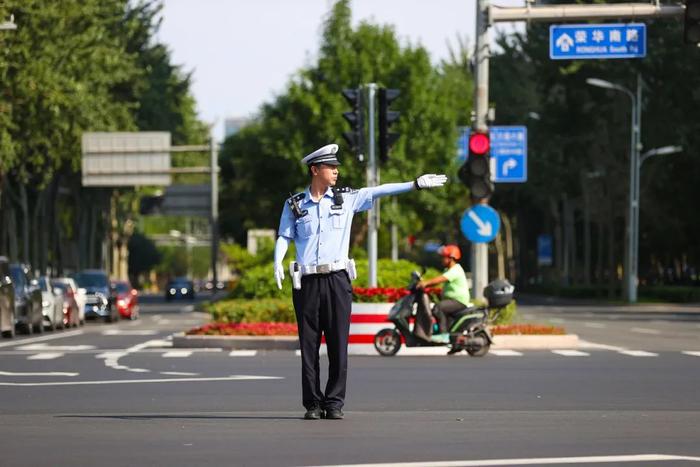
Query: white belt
<point>324,268</point>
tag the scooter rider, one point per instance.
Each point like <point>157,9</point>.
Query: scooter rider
<point>318,220</point>
<point>455,293</point>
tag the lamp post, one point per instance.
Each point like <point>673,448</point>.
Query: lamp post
<point>631,261</point>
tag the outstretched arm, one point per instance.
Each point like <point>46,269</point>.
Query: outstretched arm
<point>366,196</point>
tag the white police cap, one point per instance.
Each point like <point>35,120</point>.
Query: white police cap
<point>324,155</point>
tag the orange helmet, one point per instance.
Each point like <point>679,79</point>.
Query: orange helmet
<point>451,251</point>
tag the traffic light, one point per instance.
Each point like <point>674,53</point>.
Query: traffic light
<point>691,29</point>
<point>476,173</point>
<point>356,137</point>
<point>386,119</point>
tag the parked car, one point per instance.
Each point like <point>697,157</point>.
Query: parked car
<point>180,287</point>
<point>7,300</point>
<point>126,298</point>
<point>51,304</point>
<point>99,297</point>
<point>28,315</point>
<point>73,304</point>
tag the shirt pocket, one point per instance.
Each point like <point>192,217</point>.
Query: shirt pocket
<point>303,227</point>
<point>338,219</point>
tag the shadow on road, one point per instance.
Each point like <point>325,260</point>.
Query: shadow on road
<point>185,417</point>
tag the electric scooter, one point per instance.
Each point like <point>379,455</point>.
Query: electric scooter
<point>468,330</point>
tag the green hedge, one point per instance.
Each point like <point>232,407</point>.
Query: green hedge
<point>252,311</point>
<point>671,293</point>
<point>258,282</point>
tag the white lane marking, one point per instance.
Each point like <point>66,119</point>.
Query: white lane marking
<point>177,354</point>
<point>56,348</point>
<point>645,331</point>
<point>159,343</point>
<point>42,338</point>
<point>138,381</point>
<point>638,353</point>
<point>46,356</point>
<point>506,353</point>
<point>188,308</point>
<point>129,332</point>
<point>557,320</point>
<point>178,373</point>
<point>530,461</point>
<point>243,353</point>
<point>691,352</point>
<point>571,353</point>
<point>297,353</point>
<point>583,344</point>
<point>594,325</point>
<point>108,354</point>
<point>49,373</point>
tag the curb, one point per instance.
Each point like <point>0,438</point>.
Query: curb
<point>180,340</point>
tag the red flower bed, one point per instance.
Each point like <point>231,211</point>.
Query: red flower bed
<point>527,329</point>
<point>245,329</point>
<point>382,294</point>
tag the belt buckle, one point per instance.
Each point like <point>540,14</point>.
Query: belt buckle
<point>323,268</point>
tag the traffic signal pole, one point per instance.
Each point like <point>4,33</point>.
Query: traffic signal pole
<point>479,251</point>
<point>372,181</point>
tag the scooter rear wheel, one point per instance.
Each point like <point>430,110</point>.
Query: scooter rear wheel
<point>387,342</point>
<point>479,350</point>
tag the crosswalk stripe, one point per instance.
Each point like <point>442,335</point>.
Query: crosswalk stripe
<point>691,352</point>
<point>45,356</point>
<point>243,353</point>
<point>638,353</point>
<point>571,353</point>
<point>177,354</point>
<point>645,331</point>
<point>505,353</point>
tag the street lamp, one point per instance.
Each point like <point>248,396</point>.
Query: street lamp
<point>635,146</point>
<point>662,151</point>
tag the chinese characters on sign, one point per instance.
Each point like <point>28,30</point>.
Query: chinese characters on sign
<point>509,154</point>
<point>577,41</point>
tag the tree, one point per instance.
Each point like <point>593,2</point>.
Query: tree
<point>260,164</point>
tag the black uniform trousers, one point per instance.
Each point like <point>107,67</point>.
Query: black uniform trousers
<point>322,305</point>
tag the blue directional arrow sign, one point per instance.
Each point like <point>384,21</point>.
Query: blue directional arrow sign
<point>480,223</point>
<point>509,153</point>
<point>581,41</point>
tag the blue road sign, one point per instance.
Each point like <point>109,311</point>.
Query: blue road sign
<point>577,41</point>
<point>480,223</point>
<point>509,154</point>
<point>544,250</point>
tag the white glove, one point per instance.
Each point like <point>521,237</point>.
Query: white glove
<point>430,181</point>
<point>279,275</point>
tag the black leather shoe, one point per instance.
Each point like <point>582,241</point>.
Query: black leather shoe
<point>313,414</point>
<point>334,414</point>
<point>454,350</point>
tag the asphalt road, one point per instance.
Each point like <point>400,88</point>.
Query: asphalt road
<point>119,394</point>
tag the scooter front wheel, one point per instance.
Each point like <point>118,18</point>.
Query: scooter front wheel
<point>387,342</point>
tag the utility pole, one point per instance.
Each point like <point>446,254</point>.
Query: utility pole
<point>479,256</point>
<point>373,215</point>
<point>214,210</point>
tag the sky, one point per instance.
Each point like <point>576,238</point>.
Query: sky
<point>242,53</point>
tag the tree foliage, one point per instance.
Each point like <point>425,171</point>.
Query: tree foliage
<point>261,163</point>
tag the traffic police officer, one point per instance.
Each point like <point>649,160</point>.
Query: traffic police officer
<point>318,220</point>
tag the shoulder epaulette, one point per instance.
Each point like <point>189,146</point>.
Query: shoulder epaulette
<point>345,189</point>
<point>298,197</point>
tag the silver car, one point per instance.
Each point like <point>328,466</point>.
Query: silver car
<point>51,304</point>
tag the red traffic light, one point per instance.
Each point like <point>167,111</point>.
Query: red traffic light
<point>479,143</point>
